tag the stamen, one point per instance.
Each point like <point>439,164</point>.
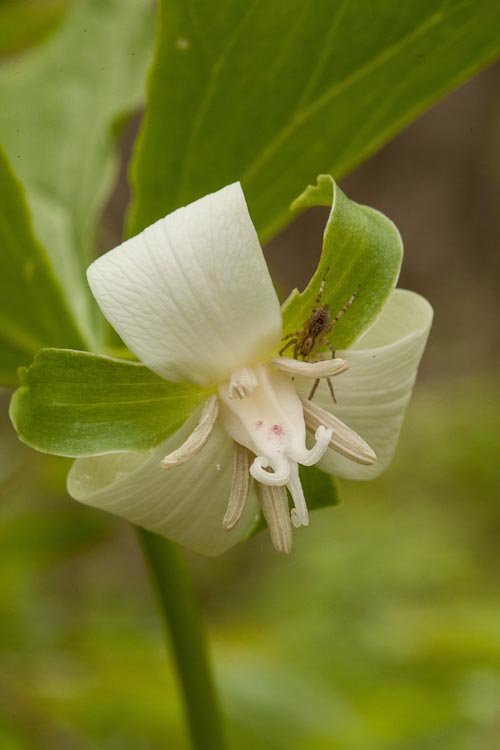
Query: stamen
<point>242,382</point>
<point>274,504</point>
<point>323,436</point>
<point>198,438</point>
<point>240,484</point>
<point>275,478</point>
<point>343,440</point>
<point>323,369</point>
<point>300,516</point>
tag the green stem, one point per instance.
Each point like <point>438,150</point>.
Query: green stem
<point>172,581</point>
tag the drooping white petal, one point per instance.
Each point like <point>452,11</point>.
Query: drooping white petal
<point>191,296</point>
<point>186,504</point>
<point>373,394</point>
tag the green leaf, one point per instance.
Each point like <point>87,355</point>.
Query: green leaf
<point>80,404</point>
<point>362,254</point>
<point>33,309</point>
<point>60,105</point>
<point>274,93</point>
<point>320,489</point>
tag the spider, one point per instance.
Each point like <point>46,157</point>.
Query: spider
<point>314,335</point>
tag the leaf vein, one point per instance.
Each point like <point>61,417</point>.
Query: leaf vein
<point>299,118</point>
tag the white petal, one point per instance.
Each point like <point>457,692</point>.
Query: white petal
<point>186,504</point>
<point>191,296</point>
<point>373,394</point>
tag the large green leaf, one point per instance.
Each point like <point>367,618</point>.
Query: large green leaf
<point>275,93</point>
<point>33,309</point>
<point>362,254</point>
<point>80,404</point>
<point>60,104</point>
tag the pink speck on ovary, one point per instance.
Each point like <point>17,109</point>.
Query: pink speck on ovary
<point>278,430</point>
<point>258,424</point>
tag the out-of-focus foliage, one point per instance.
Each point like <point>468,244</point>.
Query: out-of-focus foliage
<point>273,94</point>
<point>61,106</point>
<point>33,307</point>
<point>24,23</point>
<point>382,630</point>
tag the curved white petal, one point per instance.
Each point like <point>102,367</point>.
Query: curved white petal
<point>373,394</point>
<point>191,296</point>
<point>186,504</point>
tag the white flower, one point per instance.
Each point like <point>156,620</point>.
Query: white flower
<point>191,296</point>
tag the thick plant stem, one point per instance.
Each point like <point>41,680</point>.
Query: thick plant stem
<point>172,581</point>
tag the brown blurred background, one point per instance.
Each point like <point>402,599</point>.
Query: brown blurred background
<point>439,181</point>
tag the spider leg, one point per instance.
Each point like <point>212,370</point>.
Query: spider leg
<point>287,346</point>
<point>345,308</point>
<point>321,288</point>
<point>319,358</point>
<point>289,335</point>
<point>330,386</point>
<point>324,342</point>
<point>313,389</point>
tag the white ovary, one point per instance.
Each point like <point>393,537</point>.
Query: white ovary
<point>269,421</point>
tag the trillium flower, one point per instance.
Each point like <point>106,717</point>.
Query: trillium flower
<point>192,298</point>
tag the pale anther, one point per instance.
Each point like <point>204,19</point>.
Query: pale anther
<point>197,439</point>
<point>242,382</point>
<point>240,484</point>
<point>274,504</point>
<point>323,369</point>
<point>343,440</point>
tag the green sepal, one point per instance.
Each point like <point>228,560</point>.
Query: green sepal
<point>79,404</point>
<point>362,255</point>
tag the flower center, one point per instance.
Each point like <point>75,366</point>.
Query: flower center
<point>260,409</point>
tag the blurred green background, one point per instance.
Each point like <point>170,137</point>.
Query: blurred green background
<point>382,630</point>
